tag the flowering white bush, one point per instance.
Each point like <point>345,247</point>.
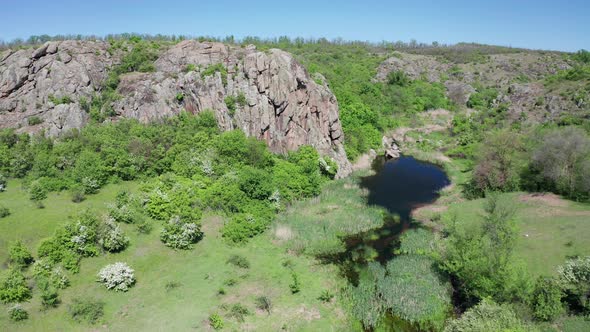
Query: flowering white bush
<point>118,276</point>
<point>112,237</point>
<point>180,235</point>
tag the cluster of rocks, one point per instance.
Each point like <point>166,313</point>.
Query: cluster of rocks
<point>279,102</point>
<point>516,76</point>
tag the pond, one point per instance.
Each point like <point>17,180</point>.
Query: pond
<point>398,185</point>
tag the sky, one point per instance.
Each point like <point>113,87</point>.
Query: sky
<point>539,24</point>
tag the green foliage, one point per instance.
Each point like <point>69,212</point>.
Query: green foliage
<point>488,316</point>
<point>78,195</point>
<point>19,255</point>
<point>483,99</point>
<point>479,256</point>
<point>582,56</point>
<point>60,100</point>
<point>179,97</point>
<point>241,99</point>
<point>398,78</point>
<point>111,238</point>
<point>179,234</point>
<point>4,212</point>
<point>34,120</point>
<point>238,312</point>
<point>499,163</point>
<point>49,295</point>
<point>216,68</point>
<point>17,313</point>
<point>388,289</point>
<point>574,276</point>
<point>87,310</point>
<point>417,241</point>
<point>216,321</point>
<point>326,296</point>
<point>13,287</point>
<point>230,103</point>
<point>295,285</point>
<point>239,261</point>
<point>263,303</point>
<point>37,192</point>
<point>546,299</point>
<point>190,67</point>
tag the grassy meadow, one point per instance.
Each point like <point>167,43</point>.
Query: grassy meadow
<point>175,290</point>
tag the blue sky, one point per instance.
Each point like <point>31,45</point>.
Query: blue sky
<point>541,24</point>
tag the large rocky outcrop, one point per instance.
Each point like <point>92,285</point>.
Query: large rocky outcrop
<point>31,80</point>
<point>516,76</point>
<point>274,97</point>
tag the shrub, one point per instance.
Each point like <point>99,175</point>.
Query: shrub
<point>574,276</point>
<point>19,255</point>
<point>230,103</point>
<point>295,285</point>
<point>190,67</point>
<point>112,238</point>
<point>212,69</point>
<point>216,321</point>
<point>122,213</point>
<point>3,181</point>
<point>263,303</point>
<point>34,120</point>
<point>239,261</point>
<point>17,313</point>
<point>398,78</point>
<point>88,310</point>
<point>13,287</point>
<point>118,276</point>
<point>326,296</point>
<point>241,99</point>
<point>238,312</point>
<point>171,285</point>
<point>546,299</point>
<point>37,193</point>
<point>49,296</point>
<point>144,227</point>
<point>4,212</point>
<point>180,235</point>
<point>487,316</point>
<point>78,195</point>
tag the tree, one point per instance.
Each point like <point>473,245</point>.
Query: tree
<point>13,287</point>
<point>499,163</point>
<point>479,255</point>
<point>574,276</point>
<point>562,158</point>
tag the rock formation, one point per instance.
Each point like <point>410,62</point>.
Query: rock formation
<point>271,96</point>
<point>516,76</point>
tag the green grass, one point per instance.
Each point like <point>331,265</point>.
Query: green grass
<point>197,274</point>
<point>550,229</point>
<point>316,226</point>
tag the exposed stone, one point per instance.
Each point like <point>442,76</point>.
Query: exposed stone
<point>284,106</point>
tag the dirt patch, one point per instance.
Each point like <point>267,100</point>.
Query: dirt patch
<point>212,225</point>
<point>308,314</point>
<point>363,162</point>
<point>548,199</point>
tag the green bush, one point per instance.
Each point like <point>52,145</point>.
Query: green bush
<point>34,120</point>
<point>60,100</point>
<point>178,234</point>
<point>216,68</point>
<point>78,195</point>
<point>487,316</point>
<point>4,212</point>
<point>239,261</point>
<point>112,238</point>
<point>87,310</point>
<point>49,295</point>
<point>546,299</point>
<point>13,287</point>
<point>230,103</point>
<point>295,285</point>
<point>190,67</point>
<point>326,296</point>
<point>238,312</point>
<point>19,255</point>
<point>17,313</point>
<point>37,192</point>
<point>216,321</point>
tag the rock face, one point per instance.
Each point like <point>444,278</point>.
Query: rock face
<point>268,95</point>
<point>516,76</point>
<point>31,80</point>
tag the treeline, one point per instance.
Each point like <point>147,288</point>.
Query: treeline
<point>190,164</point>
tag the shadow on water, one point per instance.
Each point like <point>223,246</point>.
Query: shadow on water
<point>399,186</point>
